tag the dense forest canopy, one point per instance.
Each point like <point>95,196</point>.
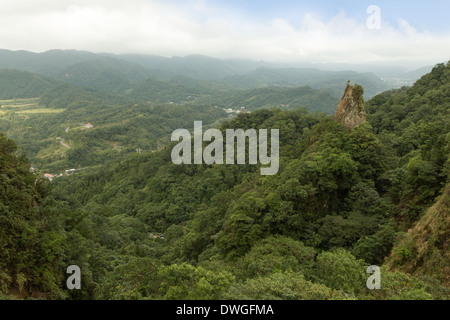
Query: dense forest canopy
<point>141,227</point>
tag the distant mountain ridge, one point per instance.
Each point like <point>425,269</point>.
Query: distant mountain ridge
<point>317,79</point>
<point>228,83</point>
<point>45,63</point>
<point>84,68</point>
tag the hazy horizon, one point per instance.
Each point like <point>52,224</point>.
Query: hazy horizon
<point>381,69</point>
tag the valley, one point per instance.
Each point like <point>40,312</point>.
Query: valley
<point>87,179</point>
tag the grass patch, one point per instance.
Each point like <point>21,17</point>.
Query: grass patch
<point>54,152</point>
<point>26,106</point>
<point>40,110</point>
<point>19,102</point>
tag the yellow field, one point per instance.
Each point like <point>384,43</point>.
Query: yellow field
<point>25,106</point>
<point>19,105</point>
<point>19,102</point>
<point>40,110</point>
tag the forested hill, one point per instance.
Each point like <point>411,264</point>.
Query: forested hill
<point>53,128</point>
<point>317,79</point>
<point>416,124</point>
<point>144,228</point>
<point>30,239</point>
<point>120,73</point>
<point>20,84</point>
<point>340,198</point>
<point>278,97</point>
<point>425,248</point>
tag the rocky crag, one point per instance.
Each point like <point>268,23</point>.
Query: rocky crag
<point>350,110</point>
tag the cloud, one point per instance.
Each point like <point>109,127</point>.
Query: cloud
<point>170,28</point>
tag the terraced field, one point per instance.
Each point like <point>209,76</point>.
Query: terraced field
<point>24,107</point>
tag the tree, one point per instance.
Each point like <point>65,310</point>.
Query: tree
<point>340,270</point>
<point>277,254</point>
<point>282,286</point>
<point>179,282</point>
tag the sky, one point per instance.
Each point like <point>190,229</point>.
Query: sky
<point>322,31</point>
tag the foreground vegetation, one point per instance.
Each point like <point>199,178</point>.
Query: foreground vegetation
<point>144,228</point>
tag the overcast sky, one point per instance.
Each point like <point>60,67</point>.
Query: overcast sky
<point>411,32</point>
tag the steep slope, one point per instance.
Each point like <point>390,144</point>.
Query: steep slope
<point>425,249</point>
<point>414,124</point>
<point>30,252</point>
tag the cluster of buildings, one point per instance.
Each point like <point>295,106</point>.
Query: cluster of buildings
<point>87,126</point>
<point>232,112</point>
<point>68,172</point>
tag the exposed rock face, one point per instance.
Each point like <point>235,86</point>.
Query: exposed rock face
<point>428,242</point>
<point>350,110</point>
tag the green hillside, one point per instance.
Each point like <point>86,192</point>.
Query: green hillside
<point>317,79</point>
<point>45,63</point>
<point>16,84</point>
<point>337,205</point>
<point>53,130</point>
<point>179,89</point>
<point>279,97</point>
<point>30,238</point>
<point>141,227</point>
<point>194,66</point>
<point>105,73</point>
<point>424,250</point>
<point>86,69</point>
